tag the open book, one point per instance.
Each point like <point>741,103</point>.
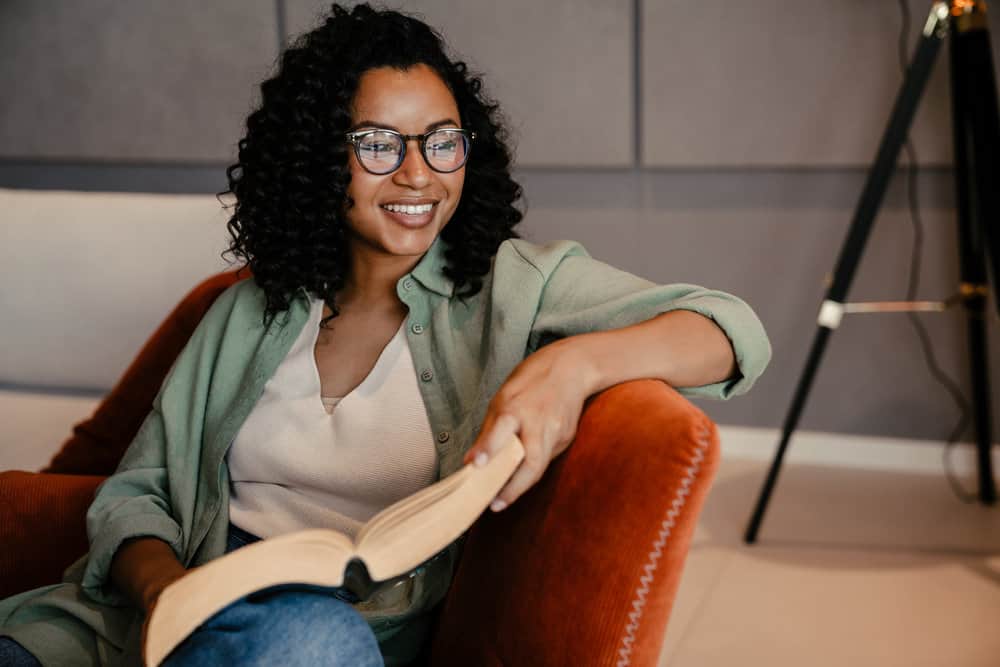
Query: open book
<point>390,544</point>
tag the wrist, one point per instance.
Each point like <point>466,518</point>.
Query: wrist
<point>151,592</point>
<point>142,568</point>
<point>584,363</point>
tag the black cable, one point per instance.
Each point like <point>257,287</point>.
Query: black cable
<point>914,282</point>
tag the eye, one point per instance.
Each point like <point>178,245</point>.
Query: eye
<point>377,146</point>
<point>443,145</point>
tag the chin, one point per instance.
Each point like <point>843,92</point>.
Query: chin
<point>411,243</point>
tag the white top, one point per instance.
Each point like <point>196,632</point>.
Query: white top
<point>298,463</point>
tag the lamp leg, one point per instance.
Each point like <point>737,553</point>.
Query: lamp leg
<point>876,184</point>
<point>978,360</point>
<point>791,421</point>
<point>976,128</point>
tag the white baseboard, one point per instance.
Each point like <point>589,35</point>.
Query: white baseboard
<point>852,451</point>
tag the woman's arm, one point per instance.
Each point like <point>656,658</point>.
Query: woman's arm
<point>682,348</point>
<point>142,568</point>
<point>543,398</point>
<point>155,492</point>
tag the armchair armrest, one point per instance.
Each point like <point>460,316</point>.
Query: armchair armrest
<point>583,569</point>
<point>43,526</point>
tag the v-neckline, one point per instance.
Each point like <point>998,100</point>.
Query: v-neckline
<point>318,389</point>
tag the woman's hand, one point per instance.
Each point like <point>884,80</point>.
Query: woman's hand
<point>542,399</point>
<point>541,402</point>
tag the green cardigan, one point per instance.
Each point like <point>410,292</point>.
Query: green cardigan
<point>173,482</point>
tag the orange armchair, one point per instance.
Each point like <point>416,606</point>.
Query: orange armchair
<point>582,570</point>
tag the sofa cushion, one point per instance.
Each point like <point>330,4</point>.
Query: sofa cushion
<point>87,275</point>
<point>97,444</point>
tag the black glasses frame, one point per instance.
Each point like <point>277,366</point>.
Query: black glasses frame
<point>354,138</point>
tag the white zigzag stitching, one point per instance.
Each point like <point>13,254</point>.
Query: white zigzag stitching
<point>625,652</point>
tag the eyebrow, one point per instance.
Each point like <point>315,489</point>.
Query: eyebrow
<point>387,126</point>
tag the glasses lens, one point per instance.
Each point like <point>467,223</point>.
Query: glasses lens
<point>380,152</point>
<point>446,150</point>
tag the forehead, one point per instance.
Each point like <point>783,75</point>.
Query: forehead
<point>408,99</point>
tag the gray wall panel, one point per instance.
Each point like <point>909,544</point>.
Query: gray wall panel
<point>113,80</point>
<point>561,70</point>
<point>757,85</point>
<point>775,252</point>
<point>612,235</point>
<point>873,379</point>
<point>776,83</point>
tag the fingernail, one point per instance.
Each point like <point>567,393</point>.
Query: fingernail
<point>481,459</point>
<point>497,505</point>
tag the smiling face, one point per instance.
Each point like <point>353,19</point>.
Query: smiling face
<point>389,217</point>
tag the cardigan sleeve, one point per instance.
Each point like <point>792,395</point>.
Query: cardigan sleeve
<point>155,490</point>
<point>582,294</point>
<point>134,502</point>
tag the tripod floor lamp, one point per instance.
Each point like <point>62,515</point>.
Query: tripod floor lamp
<point>976,135</point>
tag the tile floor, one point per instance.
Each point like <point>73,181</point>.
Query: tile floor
<point>852,567</point>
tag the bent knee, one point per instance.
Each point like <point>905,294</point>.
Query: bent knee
<point>319,626</point>
<point>291,628</point>
<point>310,610</point>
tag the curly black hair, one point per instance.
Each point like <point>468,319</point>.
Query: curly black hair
<point>291,177</point>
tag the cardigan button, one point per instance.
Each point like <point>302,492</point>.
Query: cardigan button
<point>417,328</point>
<point>427,375</point>
<point>443,436</point>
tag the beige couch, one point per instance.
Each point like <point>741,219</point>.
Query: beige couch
<point>85,278</point>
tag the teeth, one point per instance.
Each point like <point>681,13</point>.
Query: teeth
<point>409,209</point>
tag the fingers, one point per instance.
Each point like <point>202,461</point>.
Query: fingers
<point>504,428</point>
<point>495,434</point>
<point>545,428</point>
<point>523,479</point>
<point>543,440</point>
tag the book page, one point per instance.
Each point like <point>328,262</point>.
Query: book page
<point>403,536</point>
<point>410,505</point>
<point>392,543</point>
<point>315,557</point>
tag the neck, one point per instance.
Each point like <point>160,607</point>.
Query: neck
<point>372,282</point>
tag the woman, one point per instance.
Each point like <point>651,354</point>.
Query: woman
<point>375,207</point>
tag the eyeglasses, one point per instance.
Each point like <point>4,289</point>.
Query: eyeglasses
<point>383,151</point>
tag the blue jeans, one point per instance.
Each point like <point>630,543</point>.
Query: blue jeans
<point>287,627</point>
<point>13,654</point>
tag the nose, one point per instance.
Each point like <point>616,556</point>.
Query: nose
<point>414,172</point>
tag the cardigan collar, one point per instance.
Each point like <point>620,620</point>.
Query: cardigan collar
<point>429,270</point>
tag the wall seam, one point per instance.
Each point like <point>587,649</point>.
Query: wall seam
<point>281,23</point>
<point>637,84</point>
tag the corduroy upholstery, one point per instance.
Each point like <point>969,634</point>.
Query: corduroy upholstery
<point>42,527</point>
<point>582,570</point>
